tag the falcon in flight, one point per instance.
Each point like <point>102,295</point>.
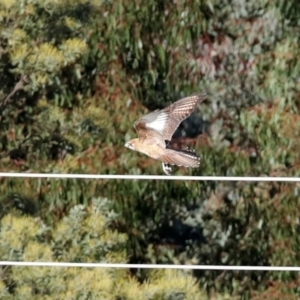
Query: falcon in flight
<point>155,130</point>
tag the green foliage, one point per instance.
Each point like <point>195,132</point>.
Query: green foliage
<point>75,76</point>
<point>83,235</point>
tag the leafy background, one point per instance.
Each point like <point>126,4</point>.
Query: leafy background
<point>76,74</point>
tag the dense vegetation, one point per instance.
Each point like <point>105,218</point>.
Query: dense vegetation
<point>76,74</point>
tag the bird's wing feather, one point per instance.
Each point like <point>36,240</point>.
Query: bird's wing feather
<point>148,136</point>
<point>186,158</point>
<point>160,125</point>
<point>141,129</point>
<point>179,111</point>
<point>156,120</point>
<point>164,122</point>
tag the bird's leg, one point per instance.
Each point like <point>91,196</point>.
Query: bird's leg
<point>167,168</point>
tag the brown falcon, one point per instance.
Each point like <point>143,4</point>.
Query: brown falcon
<point>157,128</point>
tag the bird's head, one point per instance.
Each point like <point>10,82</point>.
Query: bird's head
<point>131,144</point>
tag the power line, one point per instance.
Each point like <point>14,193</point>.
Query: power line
<point>148,266</point>
<point>149,177</point>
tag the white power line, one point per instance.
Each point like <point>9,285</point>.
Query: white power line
<point>150,177</point>
<point>148,266</point>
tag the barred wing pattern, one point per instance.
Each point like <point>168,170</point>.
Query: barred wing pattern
<point>164,122</point>
<point>185,158</point>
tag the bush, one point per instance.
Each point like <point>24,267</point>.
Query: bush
<point>75,75</point>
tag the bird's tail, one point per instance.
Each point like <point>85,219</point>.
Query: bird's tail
<point>184,157</point>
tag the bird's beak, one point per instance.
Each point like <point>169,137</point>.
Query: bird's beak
<point>129,145</point>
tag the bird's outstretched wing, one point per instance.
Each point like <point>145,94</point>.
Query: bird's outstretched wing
<point>161,124</point>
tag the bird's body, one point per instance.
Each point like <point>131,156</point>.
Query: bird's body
<point>157,127</point>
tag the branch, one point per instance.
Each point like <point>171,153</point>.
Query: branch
<point>1,52</point>
<point>17,87</point>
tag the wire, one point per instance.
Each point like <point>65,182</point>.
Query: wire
<point>148,266</point>
<point>150,177</point>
